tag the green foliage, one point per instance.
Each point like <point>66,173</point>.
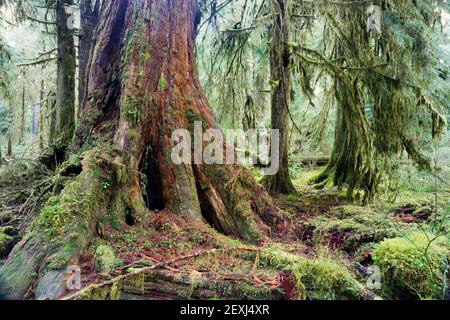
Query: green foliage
<point>73,160</point>
<point>414,264</point>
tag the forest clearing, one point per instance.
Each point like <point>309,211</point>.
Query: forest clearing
<point>224,150</point>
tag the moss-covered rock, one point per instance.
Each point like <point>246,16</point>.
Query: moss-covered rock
<point>319,278</point>
<point>413,266</point>
<point>327,279</point>
<point>105,259</point>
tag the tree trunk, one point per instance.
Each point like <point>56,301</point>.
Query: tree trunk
<point>142,85</point>
<point>22,113</point>
<point>41,115</point>
<point>66,65</point>
<point>89,11</point>
<point>352,161</point>
<point>10,149</point>
<point>52,114</point>
<point>281,96</point>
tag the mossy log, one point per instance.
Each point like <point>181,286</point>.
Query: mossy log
<point>180,285</point>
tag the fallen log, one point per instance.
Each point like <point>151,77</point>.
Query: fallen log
<point>316,162</point>
<point>180,285</point>
<point>196,285</point>
<point>155,281</point>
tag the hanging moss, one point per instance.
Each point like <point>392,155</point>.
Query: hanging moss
<point>385,103</point>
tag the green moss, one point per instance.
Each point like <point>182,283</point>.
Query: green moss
<point>251,292</point>
<point>136,283</point>
<point>275,257</point>
<point>99,294</point>
<point>192,117</point>
<point>105,259</point>
<point>239,191</point>
<point>5,238</point>
<point>51,219</point>
<point>162,82</point>
<point>73,208</point>
<point>57,262</point>
<point>413,264</point>
<point>130,109</point>
<point>134,40</point>
<point>349,211</point>
<point>323,277</point>
<point>357,226</point>
<point>115,292</point>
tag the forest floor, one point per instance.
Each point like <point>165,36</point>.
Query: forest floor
<point>321,248</point>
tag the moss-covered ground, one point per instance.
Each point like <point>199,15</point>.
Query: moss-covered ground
<point>324,246</point>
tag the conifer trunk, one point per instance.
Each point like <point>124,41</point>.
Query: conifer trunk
<point>22,113</point>
<point>281,95</point>
<point>89,11</point>
<point>66,65</point>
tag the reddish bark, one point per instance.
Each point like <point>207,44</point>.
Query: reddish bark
<point>157,83</point>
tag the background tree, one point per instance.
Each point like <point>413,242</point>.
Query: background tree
<point>376,81</point>
<point>280,63</point>
<point>66,68</point>
<point>89,15</point>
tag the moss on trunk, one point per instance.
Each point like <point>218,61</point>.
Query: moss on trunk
<point>281,82</point>
<point>66,65</point>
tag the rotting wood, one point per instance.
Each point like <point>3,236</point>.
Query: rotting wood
<point>144,272</point>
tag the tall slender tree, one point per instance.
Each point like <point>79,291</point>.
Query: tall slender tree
<point>66,66</point>
<point>281,83</point>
